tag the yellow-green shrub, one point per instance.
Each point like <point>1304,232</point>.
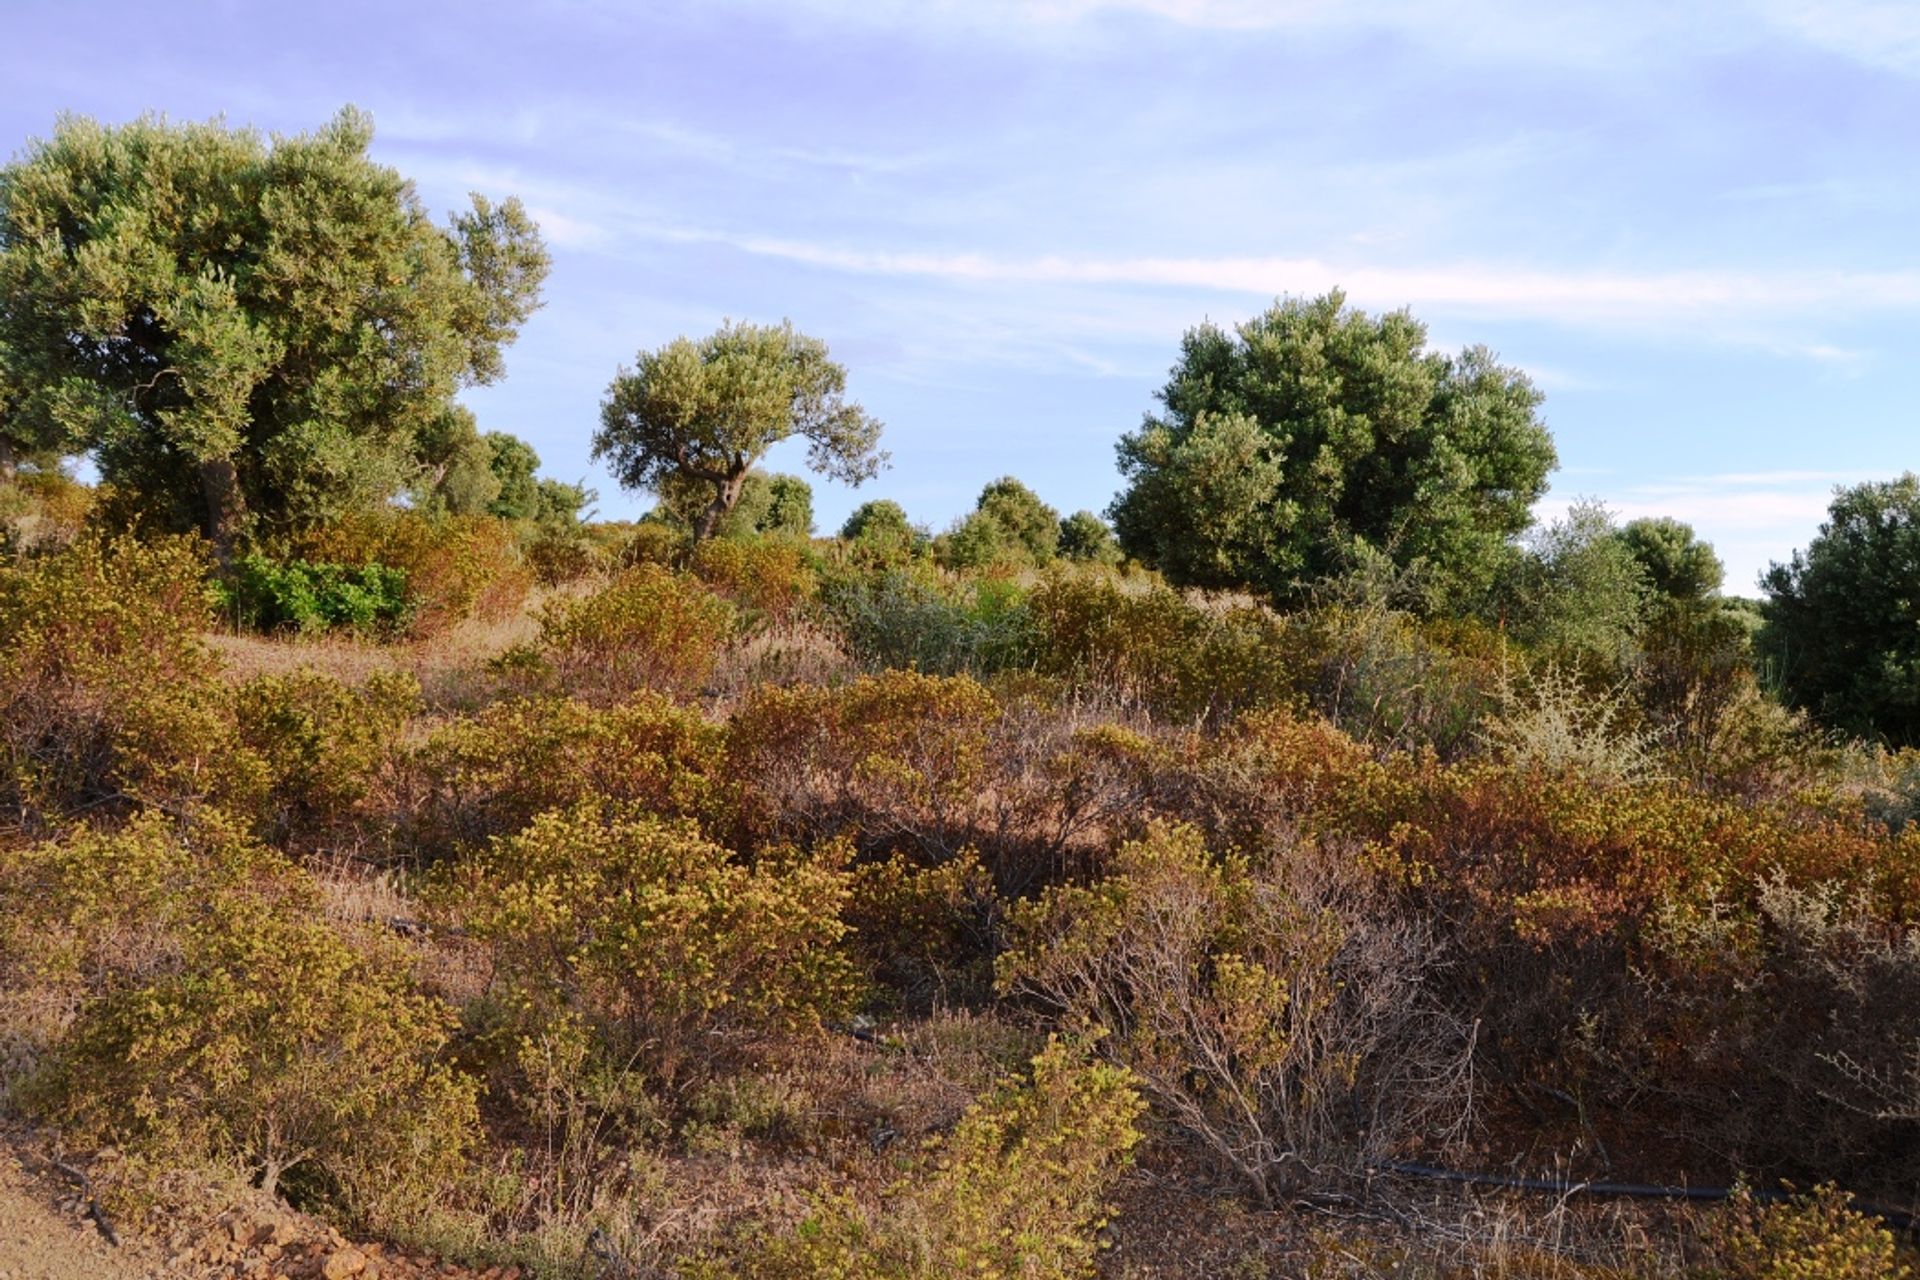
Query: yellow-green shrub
<point>41,511</point>
<point>490,774</point>
<point>108,696</point>
<point>1153,649</point>
<point>215,1019</point>
<point>1817,1236</point>
<point>647,629</point>
<point>767,577</point>
<point>668,946</point>
<point>1017,1189</point>
<point>325,743</point>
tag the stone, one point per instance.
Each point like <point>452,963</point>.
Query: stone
<point>342,1263</point>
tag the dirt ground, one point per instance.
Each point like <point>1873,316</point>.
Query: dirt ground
<point>44,1234</point>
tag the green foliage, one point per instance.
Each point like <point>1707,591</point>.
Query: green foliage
<point>914,618</point>
<point>1015,1190</point>
<point>881,520</point>
<point>1581,593</point>
<point>778,504</point>
<point>670,949</point>
<point>1677,565</point>
<point>647,629</point>
<point>1085,537</point>
<point>1842,634</point>
<point>242,1032</point>
<point>1009,528</point>
<point>108,695</point>
<point>704,413</point>
<point>299,595</point>
<point>1312,428</point>
<point>242,329</point>
<point>456,567</point>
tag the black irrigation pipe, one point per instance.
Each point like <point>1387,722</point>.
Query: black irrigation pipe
<point>1898,1219</point>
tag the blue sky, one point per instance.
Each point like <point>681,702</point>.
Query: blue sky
<point>1693,224</point>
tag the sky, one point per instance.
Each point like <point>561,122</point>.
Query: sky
<point>1693,225</point>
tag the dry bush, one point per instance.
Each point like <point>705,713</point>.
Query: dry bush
<point>768,578</point>
<point>490,774</point>
<point>108,697</point>
<point>1549,721</point>
<point>329,747</point>
<point>1275,1011</point>
<point>895,760</point>
<point>41,512</point>
<point>669,950</point>
<point>648,628</point>
<point>456,567</point>
<point>1154,650</point>
<point>1017,1188</point>
<point>1393,681</point>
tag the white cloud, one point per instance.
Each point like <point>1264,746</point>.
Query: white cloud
<point>1637,298</point>
<point>1879,33</point>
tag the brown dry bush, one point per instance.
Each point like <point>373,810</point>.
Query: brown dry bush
<point>330,748</point>
<point>648,628</point>
<point>492,773</point>
<point>1018,1188</point>
<point>1276,1011</point>
<point>108,696</point>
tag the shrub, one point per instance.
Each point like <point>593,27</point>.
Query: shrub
<point>1817,1236</point>
<point>214,1021</point>
<point>895,760</point>
<point>1261,1006</point>
<point>491,774</point>
<point>767,577</point>
<point>108,696</point>
<point>1154,650</point>
<point>915,619</point>
<point>671,950</point>
<point>454,566</point>
<point>41,511</point>
<point>647,629</point>
<point>270,595</point>
<point>324,742</point>
<point>1016,1189</point>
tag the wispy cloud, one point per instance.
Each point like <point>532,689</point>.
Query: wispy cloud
<point>1879,33</point>
<point>1569,296</point>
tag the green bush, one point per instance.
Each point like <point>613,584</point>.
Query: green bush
<point>916,619</point>
<point>300,595</point>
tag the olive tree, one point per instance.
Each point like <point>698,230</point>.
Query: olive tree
<point>703,413</point>
<point>1315,434</point>
<point>244,330</point>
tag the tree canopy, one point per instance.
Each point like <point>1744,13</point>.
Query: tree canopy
<point>1677,564</point>
<point>1842,630</point>
<point>244,330</point>
<point>705,412</point>
<point>1315,429</point>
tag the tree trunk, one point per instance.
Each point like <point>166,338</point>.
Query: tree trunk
<point>226,507</point>
<point>726,493</point>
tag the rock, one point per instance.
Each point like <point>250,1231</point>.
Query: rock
<point>342,1263</point>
